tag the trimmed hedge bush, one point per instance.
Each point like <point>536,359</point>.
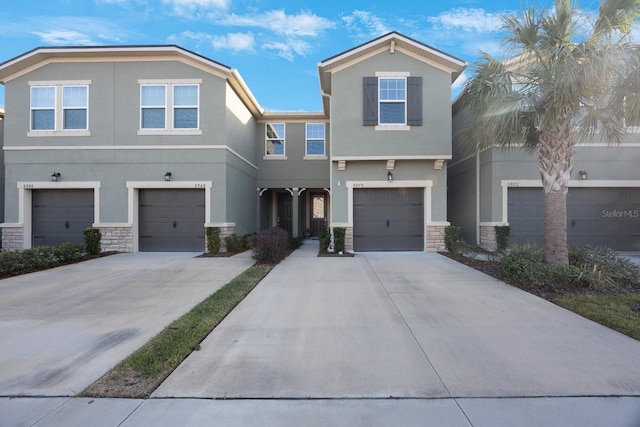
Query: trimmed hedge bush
<point>502,237</point>
<point>338,239</point>
<point>452,240</point>
<point>324,239</point>
<point>92,239</point>
<point>213,240</point>
<point>295,242</point>
<point>22,261</point>
<point>235,243</point>
<point>270,245</point>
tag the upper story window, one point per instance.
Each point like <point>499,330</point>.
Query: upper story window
<point>314,145</point>
<point>169,106</point>
<point>392,101</point>
<point>59,107</point>
<point>274,139</point>
<point>153,106</point>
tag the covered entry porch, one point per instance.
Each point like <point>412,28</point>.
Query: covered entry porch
<point>297,210</point>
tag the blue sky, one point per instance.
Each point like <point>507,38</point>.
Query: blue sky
<point>275,45</point>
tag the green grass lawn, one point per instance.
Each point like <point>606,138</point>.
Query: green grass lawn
<point>614,310</point>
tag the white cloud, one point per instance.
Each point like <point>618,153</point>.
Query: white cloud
<point>467,31</point>
<point>237,42</point>
<point>194,8</point>
<point>64,37</point>
<point>365,24</point>
<point>234,41</point>
<point>288,49</point>
<point>468,20</point>
<point>75,30</point>
<point>305,24</point>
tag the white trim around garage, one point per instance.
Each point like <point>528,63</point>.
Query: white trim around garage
<point>425,184</point>
<point>25,189</point>
<point>133,201</point>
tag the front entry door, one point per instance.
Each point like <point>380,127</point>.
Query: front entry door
<point>318,214</point>
<point>285,216</point>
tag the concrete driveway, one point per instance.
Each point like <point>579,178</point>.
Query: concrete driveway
<point>61,329</point>
<point>405,325</point>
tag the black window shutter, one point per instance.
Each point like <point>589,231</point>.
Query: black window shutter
<point>414,101</point>
<point>370,101</point>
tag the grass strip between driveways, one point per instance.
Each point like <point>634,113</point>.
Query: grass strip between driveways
<point>144,370</point>
<point>619,311</point>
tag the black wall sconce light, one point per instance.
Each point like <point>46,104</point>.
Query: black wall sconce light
<point>55,176</point>
<point>583,175</point>
<point>389,176</point>
<point>167,176</point>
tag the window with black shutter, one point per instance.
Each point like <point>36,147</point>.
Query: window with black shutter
<point>386,99</point>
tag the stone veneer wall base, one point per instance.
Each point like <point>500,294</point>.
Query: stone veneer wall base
<point>119,239</point>
<point>488,238</point>
<point>224,232</point>
<point>12,238</point>
<point>435,238</point>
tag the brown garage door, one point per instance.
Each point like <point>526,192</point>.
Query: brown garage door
<point>389,219</point>
<point>171,220</point>
<point>595,216</point>
<point>60,216</point>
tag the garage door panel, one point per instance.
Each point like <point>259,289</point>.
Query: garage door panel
<point>60,216</point>
<point>595,216</point>
<point>388,219</point>
<point>171,220</point>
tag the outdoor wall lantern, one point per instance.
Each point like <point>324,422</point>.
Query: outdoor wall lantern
<point>167,176</point>
<point>55,176</point>
<point>583,175</point>
<point>389,176</point>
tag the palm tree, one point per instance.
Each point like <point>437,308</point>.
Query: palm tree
<point>568,78</point>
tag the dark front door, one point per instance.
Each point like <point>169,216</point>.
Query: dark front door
<point>318,213</point>
<point>285,215</point>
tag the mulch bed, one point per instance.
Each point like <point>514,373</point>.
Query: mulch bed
<point>549,293</point>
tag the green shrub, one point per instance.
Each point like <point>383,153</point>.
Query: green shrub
<point>270,245</point>
<point>588,267</point>
<point>338,239</point>
<point>92,239</point>
<point>235,243</point>
<point>452,240</point>
<point>295,242</point>
<point>68,252</point>
<point>523,264</point>
<point>604,264</point>
<point>324,238</point>
<point>213,239</point>
<point>502,237</point>
<point>26,260</point>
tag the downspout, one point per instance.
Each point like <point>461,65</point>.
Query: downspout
<point>477,194</point>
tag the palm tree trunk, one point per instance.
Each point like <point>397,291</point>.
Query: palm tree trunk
<point>555,161</point>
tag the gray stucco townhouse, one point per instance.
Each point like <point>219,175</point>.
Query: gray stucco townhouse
<point>151,144</point>
<point>502,186</point>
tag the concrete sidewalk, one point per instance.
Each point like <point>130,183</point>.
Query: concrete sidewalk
<point>382,339</point>
<point>509,412</point>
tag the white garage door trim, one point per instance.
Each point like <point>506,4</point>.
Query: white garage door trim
<point>426,184</point>
<point>133,200</point>
<point>516,183</point>
<point>25,198</point>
